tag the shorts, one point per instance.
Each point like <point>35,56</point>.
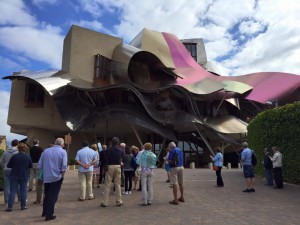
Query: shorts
<point>176,175</point>
<point>248,171</point>
<point>167,167</point>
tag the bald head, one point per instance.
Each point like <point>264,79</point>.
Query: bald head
<point>172,145</point>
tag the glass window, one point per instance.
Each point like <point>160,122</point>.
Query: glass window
<point>34,96</point>
<point>192,49</point>
<point>102,68</point>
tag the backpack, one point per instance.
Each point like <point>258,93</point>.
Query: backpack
<point>175,159</point>
<point>253,159</point>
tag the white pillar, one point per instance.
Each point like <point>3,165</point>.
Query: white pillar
<point>210,165</point>
<point>192,165</point>
<point>229,166</point>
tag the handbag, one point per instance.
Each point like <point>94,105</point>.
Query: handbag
<point>215,168</point>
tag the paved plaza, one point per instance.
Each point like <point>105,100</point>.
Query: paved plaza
<point>204,204</point>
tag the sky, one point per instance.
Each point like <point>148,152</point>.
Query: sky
<point>240,36</point>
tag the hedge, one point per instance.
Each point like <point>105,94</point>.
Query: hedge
<point>1,174</point>
<point>278,127</point>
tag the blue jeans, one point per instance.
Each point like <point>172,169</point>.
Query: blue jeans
<point>7,186</point>
<point>269,176</point>
<point>14,183</point>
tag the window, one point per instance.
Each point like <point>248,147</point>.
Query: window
<point>192,48</point>
<point>34,96</point>
<point>102,68</point>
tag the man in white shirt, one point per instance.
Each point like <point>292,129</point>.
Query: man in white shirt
<point>277,168</point>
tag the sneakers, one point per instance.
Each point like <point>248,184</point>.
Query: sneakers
<point>167,181</point>
<point>247,190</point>
<point>129,192</point>
<point>8,210</point>
<point>125,192</point>
<point>103,205</point>
<point>23,208</point>
<point>119,204</point>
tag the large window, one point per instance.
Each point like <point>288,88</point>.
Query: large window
<point>102,68</point>
<point>34,96</point>
<point>192,48</point>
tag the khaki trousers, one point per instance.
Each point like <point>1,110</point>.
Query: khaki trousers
<point>86,181</point>
<point>113,173</point>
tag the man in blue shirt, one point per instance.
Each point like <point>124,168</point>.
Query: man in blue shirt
<point>53,162</point>
<point>248,168</point>
<point>176,176</point>
<point>86,158</point>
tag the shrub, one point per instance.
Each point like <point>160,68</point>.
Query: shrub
<point>278,127</point>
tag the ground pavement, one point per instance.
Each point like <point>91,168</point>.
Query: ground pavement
<point>205,204</point>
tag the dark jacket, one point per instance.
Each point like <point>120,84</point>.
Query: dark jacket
<point>267,161</point>
<point>20,164</point>
<point>114,156</point>
<point>35,153</point>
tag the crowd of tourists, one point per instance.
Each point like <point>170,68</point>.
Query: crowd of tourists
<point>116,166</point>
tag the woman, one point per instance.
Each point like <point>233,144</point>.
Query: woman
<point>218,162</point>
<point>147,160</point>
<point>96,171</point>
<point>128,170</point>
<point>134,151</point>
<point>167,165</point>
<point>20,164</point>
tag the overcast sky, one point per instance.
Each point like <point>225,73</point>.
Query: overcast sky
<point>243,36</point>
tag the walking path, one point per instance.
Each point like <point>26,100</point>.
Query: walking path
<point>204,204</point>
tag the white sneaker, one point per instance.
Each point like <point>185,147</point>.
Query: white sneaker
<point>129,192</point>
<point>126,192</point>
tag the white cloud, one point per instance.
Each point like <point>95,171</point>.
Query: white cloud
<point>93,25</point>
<point>43,43</point>
<point>250,27</point>
<point>9,64</point>
<point>4,128</point>
<point>41,3</point>
<point>14,12</point>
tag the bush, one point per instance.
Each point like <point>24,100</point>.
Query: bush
<point>1,173</point>
<point>72,162</point>
<point>278,127</point>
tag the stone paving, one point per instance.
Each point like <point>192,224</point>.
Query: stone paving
<point>204,204</point>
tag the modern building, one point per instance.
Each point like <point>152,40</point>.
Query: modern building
<point>156,88</point>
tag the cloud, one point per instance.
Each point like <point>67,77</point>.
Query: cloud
<point>14,12</point>
<point>4,128</point>
<point>44,43</point>
<point>93,25</point>
<point>9,64</point>
<point>42,3</point>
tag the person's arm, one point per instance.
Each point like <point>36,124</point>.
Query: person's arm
<point>30,163</point>
<point>10,162</point>
<point>40,162</point>
<point>274,158</point>
<point>242,156</point>
<point>64,164</point>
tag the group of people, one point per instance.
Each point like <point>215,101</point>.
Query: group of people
<point>48,167</point>
<point>118,162</point>
<point>272,166</point>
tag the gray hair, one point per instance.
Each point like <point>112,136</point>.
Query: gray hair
<point>172,145</point>
<point>122,145</point>
<point>245,145</point>
<point>35,141</point>
<point>59,141</point>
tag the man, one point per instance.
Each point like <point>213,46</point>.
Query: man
<point>277,168</point>
<point>35,154</point>
<point>86,158</point>
<point>20,164</point>
<point>114,157</point>
<point>176,174</point>
<point>248,168</point>
<point>6,171</point>
<point>54,164</point>
<point>268,165</point>
<point>122,147</point>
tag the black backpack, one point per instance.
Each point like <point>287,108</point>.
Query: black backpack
<point>253,159</point>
